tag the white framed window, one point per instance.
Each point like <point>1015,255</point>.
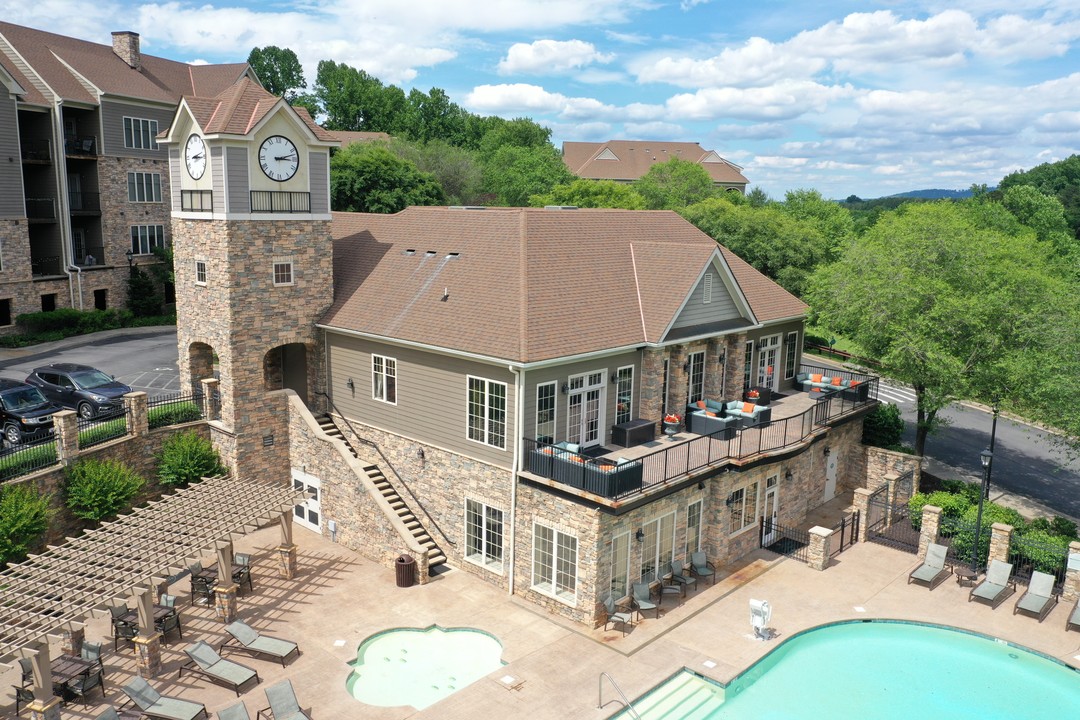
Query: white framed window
<point>384,379</point>
<point>693,527</point>
<point>748,364</point>
<point>140,134</point>
<point>620,566</point>
<point>657,547</point>
<point>695,378</point>
<point>144,187</point>
<point>487,412</point>
<point>545,412</point>
<point>144,238</point>
<point>200,272</point>
<point>554,563</point>
<point>706,289</point>
<point>791,352</point>
<point>624,394</point>
<point>283,272</point>
<point>743,506</point>
<point>484,535</point>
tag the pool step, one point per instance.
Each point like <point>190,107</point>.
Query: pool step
<point>386,489</point>
<point>685,696</point>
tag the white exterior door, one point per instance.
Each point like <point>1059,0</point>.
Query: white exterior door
<point>585,411</point>
<point>770,509</point>
<point>830,476</point>
<point>768,352</point>
<point>308,513</point>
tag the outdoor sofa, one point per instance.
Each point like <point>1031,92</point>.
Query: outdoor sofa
<point>849,389</point>
<point>564,463</point>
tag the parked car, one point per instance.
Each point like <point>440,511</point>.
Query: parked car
<point>26,414</point>
<point>80,387</point>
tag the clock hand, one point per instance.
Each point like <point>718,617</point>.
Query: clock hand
<point>200,156</point>
<point>286,157</point>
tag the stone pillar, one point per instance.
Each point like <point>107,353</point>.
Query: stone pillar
<point>820,547</point>
<point>1000,538</point>
<point>147,655</point>
<point>861,502</point>
<point>225,602</point>
<point>931,524</point>
<point>45,709</point>
<point>71,639</point>
<point>66,427</point>
<point>1071,592</point>
<point>651,384</point>
<point>714,369</point>
<point>210,407</point>
<point>422,576</point>
<point>733,370</point>
<point>287,561</point>
<point>890,480</point>
<point>138,414</point>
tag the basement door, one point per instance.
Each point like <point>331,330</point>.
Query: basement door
<point>770,510</point>
<point>585,414</point>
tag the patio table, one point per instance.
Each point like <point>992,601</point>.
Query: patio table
<point>68,667</point>
<point>131,617</point>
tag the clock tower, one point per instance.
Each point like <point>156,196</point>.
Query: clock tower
<point>253,261</point>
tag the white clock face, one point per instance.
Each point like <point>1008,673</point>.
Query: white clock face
<point>278,158</point>
<point>195,157</point>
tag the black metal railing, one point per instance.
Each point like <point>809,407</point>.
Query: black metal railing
<point>1028,555</point>
<point>45,265</point>
<point>846,533</point>
<point>89,256</point>
<point>82,145</point>
<point>787,541</point>
<point>36,151</point>
<point>40,209</point>
<point>175,409</point>
<point>197,200</point>
<point>959,536</point>
<point>26,458</point>
<point>79,201</point>
<point>280,201</point>
<point>105,427</point>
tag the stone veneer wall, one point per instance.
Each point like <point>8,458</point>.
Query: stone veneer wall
<point>722,382</point>
<point>881,462</point>
<point>15,272</point>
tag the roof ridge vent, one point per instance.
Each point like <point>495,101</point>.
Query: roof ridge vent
<point>410,251</point>
<point>560,207</point>
<point>430,253</point>
<point>468,207</point>
<point>451,256</point>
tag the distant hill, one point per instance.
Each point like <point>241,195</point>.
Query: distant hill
<point>934,194</point>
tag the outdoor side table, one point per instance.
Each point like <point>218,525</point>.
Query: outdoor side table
<point>964,574</point>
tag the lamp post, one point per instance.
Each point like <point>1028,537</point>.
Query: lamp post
<point>986,457</point>
<point>990,465</point>
<point>129,255</point>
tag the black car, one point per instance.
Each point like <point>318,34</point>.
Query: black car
<point>25,413</point>
<point>80,387</point>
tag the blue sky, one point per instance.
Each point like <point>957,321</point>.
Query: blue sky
<point>867,98</point>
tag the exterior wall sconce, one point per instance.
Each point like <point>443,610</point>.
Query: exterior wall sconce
<point>639,535</point>
<point>350,384</point>
<point>421,456</point>
<point>700,484</point>
<point>686,366</point>
<point>788,476</point>
<point>828,451</point>
<point>730,500</point>
<point>614,378</point>
<point>565,389</point>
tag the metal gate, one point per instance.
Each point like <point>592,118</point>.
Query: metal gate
<point>888,522</point>
<point>846,533</point>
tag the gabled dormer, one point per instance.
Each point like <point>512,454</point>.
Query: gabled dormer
<point>715,304</point>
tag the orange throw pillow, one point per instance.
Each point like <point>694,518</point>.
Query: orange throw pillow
<point>815,378</point>
<point>709,414</point>
<point>701,404</point>
<point>837,380</point>
<point>749,408</point>
<point>855,382</point>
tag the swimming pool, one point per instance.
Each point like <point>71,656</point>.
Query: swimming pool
<point>420,666</point>
<point>879,669</point>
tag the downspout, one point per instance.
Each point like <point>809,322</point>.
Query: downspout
<point>519,410</point>
<point>77,269</point>
<point>64,201</point>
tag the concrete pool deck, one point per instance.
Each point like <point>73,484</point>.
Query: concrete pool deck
<point>339,598</point>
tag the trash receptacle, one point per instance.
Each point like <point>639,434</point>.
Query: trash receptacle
<point>405,566</point>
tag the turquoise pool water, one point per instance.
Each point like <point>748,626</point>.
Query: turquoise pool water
<point>880,670</point>
<point>420,666</point>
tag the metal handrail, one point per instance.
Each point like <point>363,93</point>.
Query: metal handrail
<point>600,694</point>
<point>389,464</point>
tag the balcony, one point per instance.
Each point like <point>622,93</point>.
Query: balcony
<point>84,203</point>
<point>80,146</point>
<point>41,209</point>
<point>37,151</point>
<point>45,265</point>
<point>796,420</point>
<point>89,256</point>
<point>197,200</point>
<point>280,201</point>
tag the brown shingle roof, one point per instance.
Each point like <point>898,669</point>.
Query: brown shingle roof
<point>630,159</point>
<point>529,284</point>
<point>61,61</point>
<point>240,107</point>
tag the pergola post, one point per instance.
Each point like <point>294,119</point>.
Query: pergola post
<point>287,550</point>
<point>44,706</point>
<point>225,590</point>
<point>148,642</point>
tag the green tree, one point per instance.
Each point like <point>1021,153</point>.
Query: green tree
<point>1044,214</point>
<point>278,69</point>
<point>758,197</point>
<point>355,100</point>
<point>675,185</point>
<point>515,173</point>
<point>309,102</point>
<point>100,489</point>
<point>432,116</point>
<point>1060,179</point>
<point>884,427</point>
<point>186,458</point>
<point>24,518</point>
<point>591,194</point>
<point>519,132</point>
<point>144,298</point>
<point>829,218</point>
<point>456,169</point>
<point>367,177</point>
<point>948,307</point>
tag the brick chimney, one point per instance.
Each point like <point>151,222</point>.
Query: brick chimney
<point>126,44</point>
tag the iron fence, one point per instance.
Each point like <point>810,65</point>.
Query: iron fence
<point>97,430</point>
<point>846,533</point>
<point>1028,555</point>
<point>80,201</point>
<point>280,201</point>
<point>889,519</point>
<point>40,209</point>
<point>959,536</point>
<point>787,541</point>
<point>80,145</point>
<point>36,150</point>
<point>174,409</point>
<point>26,458</point>
<point>45,265</point>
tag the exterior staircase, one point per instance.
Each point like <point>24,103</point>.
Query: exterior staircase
<point>434,552</point>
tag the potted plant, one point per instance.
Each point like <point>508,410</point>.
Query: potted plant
<point>671,423</point>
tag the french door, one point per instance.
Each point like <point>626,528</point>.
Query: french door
<point>768,352</point>
<point>585,413</point>
<point>770,511</point>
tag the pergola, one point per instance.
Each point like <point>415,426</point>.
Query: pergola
<point>54,592</point>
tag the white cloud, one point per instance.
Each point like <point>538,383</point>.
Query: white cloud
<point>760,131</point>
<point>685,5</point>
<point>1065,121</point>
<point>781,101</point>
<point>550,56</point>
<point>514,97</point>
<point>778,161</point>
<point>654,131</point>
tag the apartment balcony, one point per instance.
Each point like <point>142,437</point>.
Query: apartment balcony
<point>84,203</point>
<point>36,152</point>
<point>81,146</point>
<point>45,265</point>
<point>41,210</point>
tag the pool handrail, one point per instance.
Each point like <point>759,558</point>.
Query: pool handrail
<point>600,695</point>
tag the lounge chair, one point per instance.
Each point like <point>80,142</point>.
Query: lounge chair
<point>642,595</point>
<point>932,572</point>
<point>1073,623</point>
<point>996,586</point>
<point>155,705</point>
<point>206,662</point>
<point>247,639</point>
<point>617,614</point>
<point>234,712</point>
<point>112,713</point>
<point>1039,599</point>
<point>283,705</point>
<point>701,567</point>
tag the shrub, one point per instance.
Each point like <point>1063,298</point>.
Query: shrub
<point>185,458</point>
<point>27,460</point>
<point>24,517</point>
<point>1062,527</point>
<point>144,299</point>
<point>964,540</point>
<point>960,487</point>
<point>99,489</point>
<point>99,433</point>
<point>1049,553</point>
<point>952,505</point>
<point>883,427</point>
<point>173,414</point>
